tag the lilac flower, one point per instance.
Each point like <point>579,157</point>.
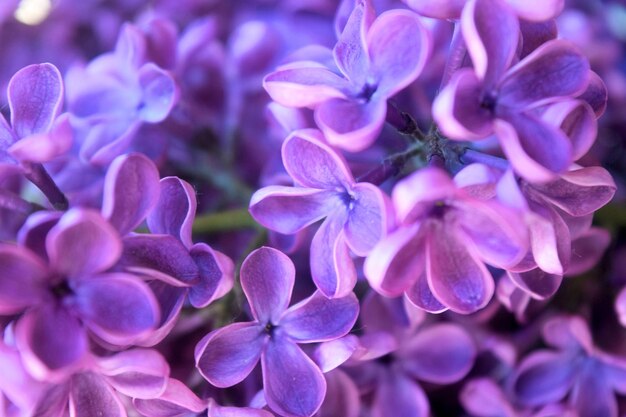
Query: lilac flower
<point>356,214</point>
<point>396,351</point>
<point>573,366</point>
<point>374,58</point>
<point>493,98</point>
<point>65,292</point>
<point>533,10</point>
<point>293,384</point>
<point>115,94</point>
<point>445,235</point>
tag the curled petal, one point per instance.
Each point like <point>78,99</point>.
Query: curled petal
<point>35,98</point>
<point>312,163</point>
<point>537,283</point>
<point>329,355</point>
<point>543,377</point>
<point>398,47</point>
<point>554,70</point>
<point>587,250</point>
<point>294,385</point>
<point>577,120</point>
<point>537,151</point>
<point>491,32</point>
<point>596,94</point>
<point>535,34</point>
<point>131,189</point>
<point>117,307</point>
<point>304,86</point>
<point>267,278</point>
<point>438,9</point>
<point>226,356</point>
<point>288,210</point>
<point>367,220</point>
<point>420,295</point>
<point>537,10</point>
<point>82,243</point>
<point>457,108</point>
<point>442,354</point>
<point>90,395</point>
<point>137,373</point>
<point>216,275</point>
<point>174,212</point>
<point>22,279</point>
<point>350,51</point>
<point>352,125</point>
<point>176,401</point>
<point>159,93</point>
<point>396,262</point>
<point>52,342</point>
<point>320,319</point>
<point>332,268</point>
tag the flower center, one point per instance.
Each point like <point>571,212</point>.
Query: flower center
<point>367,92</point>
<point>488,101</point>
<point>270,328</point>
<point>62,289</point>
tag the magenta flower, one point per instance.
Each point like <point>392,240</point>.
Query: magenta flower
<point>64,291</point>
<point>355,214</point>
<point>492,98</point>
<point>572,366</point>
<point>444,237</point>
<point>293,384</point>
<point>375,58</point>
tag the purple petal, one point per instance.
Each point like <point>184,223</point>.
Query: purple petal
<point>442,354</point>
<point>226,356</point>
<point>350,51</point>
<point>543,377</point>
<point>267,278</point>
<point>537,10</point>
<point>587,250</point>
<point>320,319</point>
<point>491,32</point>
<point>498,233</point>
<point>568,333</point>
<point>90,395</point>
<point>159,93</point>
<point>35,98</point>
<point>396,262</point>
<point>421,296</point>
<point>581,191</point>
<point>288,210</point>
<point>550,240</point>
<point>294,385</point>
<point>457,108</point>
<point>175,210</point>
<point>216,410</point>
<point>537,283</point>
<point>577,120</point>
<point>137,373</point>
<point>82,243</point>
<point>457,278</point>
<point>216,272</point>
<point>535,34</point>
<point>52,342</point>
<point>555,69</point>
<point>596,94</point>
<point>33,233</point>
<point>439,9</point>
<point>118,308</point>
<point>176,401</point>
<point>352,125</point>
<point>23,280</point>
<point>305,85</point>
<point>592,395</point>
<point>398,47</point>
<point>312,163</point>
<point>483,398</point>
<point>131,189</point>
<point>329,355</point>
<point>537,151</point>
<point>398,395</point>
<point>332,267</point>
<point>368,218</point>
<point>43,147</point>
<point>342,396</point>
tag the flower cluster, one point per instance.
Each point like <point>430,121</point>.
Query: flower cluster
<point>389,205</point>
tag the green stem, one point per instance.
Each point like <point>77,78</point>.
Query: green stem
<point>235,219</point>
